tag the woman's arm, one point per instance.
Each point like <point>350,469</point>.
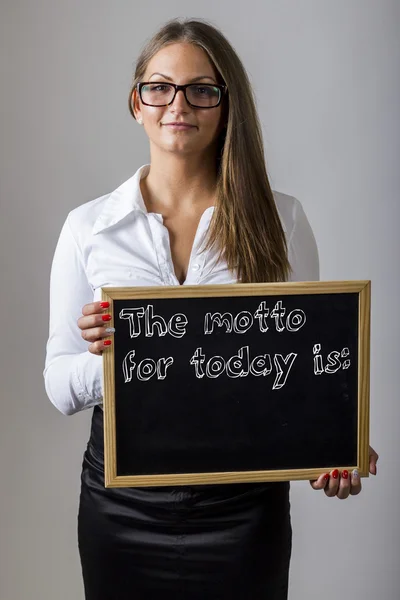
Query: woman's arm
<point>73,376</point>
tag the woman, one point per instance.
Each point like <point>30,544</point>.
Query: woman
<point>201,212</point>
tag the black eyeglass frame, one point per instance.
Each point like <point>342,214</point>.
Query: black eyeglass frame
<point>222,89</point>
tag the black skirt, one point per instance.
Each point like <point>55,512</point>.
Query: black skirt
<point>207,542</point>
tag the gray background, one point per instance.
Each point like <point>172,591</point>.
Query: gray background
<point>327,79</point>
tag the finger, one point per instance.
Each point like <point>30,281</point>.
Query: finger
<point>96,333</point>
<point>344,485</point>
<point>355,483</point>
<point>95,307</point>
<point>333,485</point>
<point>373,459</point>
<point>320,483</point>
<point>99,346</point>
<point>93,320</point>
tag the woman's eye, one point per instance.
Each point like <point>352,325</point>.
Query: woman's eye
<point>158,88</point>
<point>203,90</point>
<point>206,91</point>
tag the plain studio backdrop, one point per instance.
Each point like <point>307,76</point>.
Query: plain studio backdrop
<point>327,82</point>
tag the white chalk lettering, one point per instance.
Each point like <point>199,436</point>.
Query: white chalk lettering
<point>278,312</point>
<point>197,360</point>
<point>295,319</point>
<point>261,314</point>
<point>261,365</point>
<point>162,366</point>
<point>333,360</point>
<point>177,324</point>
<point>220,320</point>
<point>215,366</point>
<point>153,323</point>
<point>152,320</point>
<point>244,320</point>
<point>318,364</point>
<point>128,369</point>
<point>334,363</point>
<point>146,369</point>
<point>283,366</point>
<point>133,315</point>
<point>240,365</point>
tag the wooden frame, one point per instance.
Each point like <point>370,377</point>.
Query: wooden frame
<point>362,288</point>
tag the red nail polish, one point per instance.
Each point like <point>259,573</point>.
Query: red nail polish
<point>104,304</point>
<point>345,474</point>
<point>107,343</point>
<point>335,474</point>
<point>326,477</point>
<point>106,317</point>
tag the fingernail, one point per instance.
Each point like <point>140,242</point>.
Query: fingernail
<point>335,474</point>
<point>107,343</point>
<point>104,304</point>
<point>109,330</point>
<point>345,474</point>
<point>355,473</point>
<point>326,477</point>
<point>106,317</point>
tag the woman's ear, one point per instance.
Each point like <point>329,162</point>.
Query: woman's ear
<point>135,105</point>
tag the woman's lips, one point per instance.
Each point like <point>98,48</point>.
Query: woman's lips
<point>182,126</point>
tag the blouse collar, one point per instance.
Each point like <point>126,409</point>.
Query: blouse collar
<point>122,201</point>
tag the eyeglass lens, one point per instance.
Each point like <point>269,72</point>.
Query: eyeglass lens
<point>196,94</point>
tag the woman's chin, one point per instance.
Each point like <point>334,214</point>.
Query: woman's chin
<point>180,147</point>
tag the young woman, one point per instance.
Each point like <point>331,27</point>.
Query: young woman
<point>202,212</point>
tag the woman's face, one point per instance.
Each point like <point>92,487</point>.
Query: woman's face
<point>180,63</point>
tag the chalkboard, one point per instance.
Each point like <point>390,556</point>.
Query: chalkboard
<point>234,383</point>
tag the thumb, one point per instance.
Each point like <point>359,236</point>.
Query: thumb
<point>320,483</point>
<point>373,459</point>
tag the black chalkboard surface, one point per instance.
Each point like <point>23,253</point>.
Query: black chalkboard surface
<point>232,383</point>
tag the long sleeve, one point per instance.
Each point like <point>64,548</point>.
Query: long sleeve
<point>302,248</point>
<point>73,376</point>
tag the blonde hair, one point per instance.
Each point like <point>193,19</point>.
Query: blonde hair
<point>245,226</point>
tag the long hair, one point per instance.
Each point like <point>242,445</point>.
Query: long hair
<point>245,226</point>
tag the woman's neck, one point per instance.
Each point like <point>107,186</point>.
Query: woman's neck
<point>179,184</point>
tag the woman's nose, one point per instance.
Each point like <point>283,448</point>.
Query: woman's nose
<point>180,100</point>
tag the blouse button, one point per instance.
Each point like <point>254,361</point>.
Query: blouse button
<point>196,267</point>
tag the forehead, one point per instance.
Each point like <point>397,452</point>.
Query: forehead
<point>181,60</point>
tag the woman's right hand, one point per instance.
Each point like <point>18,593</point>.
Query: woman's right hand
<point>94,326</point>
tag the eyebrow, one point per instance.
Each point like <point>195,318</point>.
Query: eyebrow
<point>190,81</point>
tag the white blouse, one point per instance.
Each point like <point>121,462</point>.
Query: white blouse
<point>114,241</point>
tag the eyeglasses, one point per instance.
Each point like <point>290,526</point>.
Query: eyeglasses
<point>198,95</point>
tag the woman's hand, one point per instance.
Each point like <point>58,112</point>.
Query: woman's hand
<point>344,484</point>
<point>94,326</point>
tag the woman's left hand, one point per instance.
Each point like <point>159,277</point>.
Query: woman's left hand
<point>344,484</point>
